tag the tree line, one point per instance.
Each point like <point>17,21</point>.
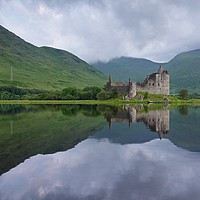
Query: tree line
<point>184,94</point>
<point>70,93</point>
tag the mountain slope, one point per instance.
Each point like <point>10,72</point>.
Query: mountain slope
<point>124,68</point>
<point>42,67</point>
<point>184,70</point>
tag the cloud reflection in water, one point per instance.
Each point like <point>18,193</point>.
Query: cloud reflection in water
<point>101,170</point>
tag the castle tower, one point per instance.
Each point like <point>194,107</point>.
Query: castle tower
<point>132,89</point>
<point>109,79</point>
<point>108,85</point>
<point>160,70</point>
<point>163,80</point>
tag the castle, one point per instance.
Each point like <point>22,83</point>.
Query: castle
<point>156,83</point>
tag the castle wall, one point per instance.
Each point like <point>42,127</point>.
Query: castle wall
<point>119,86</point>
<point>123,88</point>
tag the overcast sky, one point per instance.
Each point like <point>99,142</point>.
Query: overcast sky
<point>102,29</point>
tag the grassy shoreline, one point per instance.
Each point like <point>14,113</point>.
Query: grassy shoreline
<point>103,102</point>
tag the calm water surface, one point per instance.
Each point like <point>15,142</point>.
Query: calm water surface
<point>99,152</point>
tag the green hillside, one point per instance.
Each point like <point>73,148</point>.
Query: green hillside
<point>42,67</point>
<point>184,70</point>
<point>124,68</point>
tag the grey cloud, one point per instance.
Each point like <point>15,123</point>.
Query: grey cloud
<point>99,30</point>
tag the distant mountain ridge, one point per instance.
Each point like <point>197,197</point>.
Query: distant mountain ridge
<point>25,65</point>
<point>184,70</point>
<point>124,68</point>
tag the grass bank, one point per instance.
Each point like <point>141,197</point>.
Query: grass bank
<point>173,101</point>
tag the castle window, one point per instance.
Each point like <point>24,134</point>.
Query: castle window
<point>149,84</point>
<point>158,84</point>
<point>152,83</point>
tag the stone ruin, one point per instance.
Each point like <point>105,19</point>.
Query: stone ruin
<point>156,83</point>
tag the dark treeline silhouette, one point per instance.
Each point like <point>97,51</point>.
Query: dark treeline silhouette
<point>70,93</point>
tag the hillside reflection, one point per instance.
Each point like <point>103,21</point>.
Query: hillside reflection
<point>28,130</point>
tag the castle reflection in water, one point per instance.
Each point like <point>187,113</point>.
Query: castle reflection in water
<point>155,120</point>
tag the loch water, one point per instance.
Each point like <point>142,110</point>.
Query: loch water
<point>99,152</point>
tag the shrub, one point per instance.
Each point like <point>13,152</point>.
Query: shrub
<point>183,93</point>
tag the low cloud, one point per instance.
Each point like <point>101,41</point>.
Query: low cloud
<point>100,30</point>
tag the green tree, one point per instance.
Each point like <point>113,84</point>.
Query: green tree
<point>87,95</point>
<point>103,95</point>
<point>6,95</point>
<point>70,93</point>
<point>113,93</point>
<point>94,90</point>
<point>183,93</point>
<point>146,95</point>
